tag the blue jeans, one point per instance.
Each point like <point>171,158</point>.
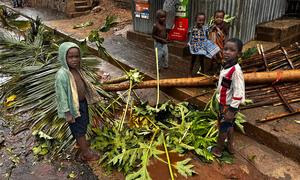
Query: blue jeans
<point>163,54</point>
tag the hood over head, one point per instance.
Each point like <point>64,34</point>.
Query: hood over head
<point>63,50</point>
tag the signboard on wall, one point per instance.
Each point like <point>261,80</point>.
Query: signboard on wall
<point>142,9</point>
<point>182,8</point>
<point>180,30</point>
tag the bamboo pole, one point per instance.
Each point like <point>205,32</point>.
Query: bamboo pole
<point>278,116</point>
<point>250,78</point>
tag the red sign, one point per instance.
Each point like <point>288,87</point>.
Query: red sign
<point>180,31</point>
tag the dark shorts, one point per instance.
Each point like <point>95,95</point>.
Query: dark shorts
<point>79,128</point>
<point>224,125</point>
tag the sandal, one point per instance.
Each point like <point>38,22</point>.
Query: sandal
<point>216,152</point>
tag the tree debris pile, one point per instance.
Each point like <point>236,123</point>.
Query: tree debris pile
<point>152,132</point>
<point>29,58</point>
<point>127,143</point>
<point>277,60</point>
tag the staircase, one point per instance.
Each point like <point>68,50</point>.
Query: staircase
<point>82,7</point>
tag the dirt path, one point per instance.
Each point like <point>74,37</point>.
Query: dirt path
<point>98,18</point>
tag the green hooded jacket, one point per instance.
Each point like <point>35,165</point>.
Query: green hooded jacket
<point>65,85</point>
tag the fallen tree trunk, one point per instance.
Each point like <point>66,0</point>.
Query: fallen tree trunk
<point>250,78</point>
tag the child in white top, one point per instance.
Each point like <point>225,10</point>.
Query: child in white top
<point>231,93</point>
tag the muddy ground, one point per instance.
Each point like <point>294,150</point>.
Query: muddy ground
<point>17,161</point>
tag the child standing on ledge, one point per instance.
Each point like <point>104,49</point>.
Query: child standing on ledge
<point>159,35</point>
<point>219,32</point>
<point>74,93</point>
<point>199,44</point>
<point>230,94</point>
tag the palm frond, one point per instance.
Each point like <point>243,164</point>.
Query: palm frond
<point>32,67</point>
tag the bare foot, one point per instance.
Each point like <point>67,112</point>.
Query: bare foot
<point>89,156</point>
<point>230,149</point>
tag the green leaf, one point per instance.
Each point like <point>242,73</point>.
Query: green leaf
<point>43,152</point>
<point>184,168</point>
<point>36,150</point>
<point>44,135</point>
<point>21,25</point>
<point>72,175</point>
<point>83,25</point>
<point>227,158</point>
<point>185,146</point>
<point>110,22</point>
<point>205,153</point>
<point>94,36</point>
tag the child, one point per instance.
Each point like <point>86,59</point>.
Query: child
<point>231,92</point>
<point>199,44</point>
<point>159,35</point>
<point>17,3</point>
<point>219,32</point>
<point>74,93</point>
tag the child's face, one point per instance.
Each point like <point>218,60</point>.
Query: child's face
<point>200,20</point>
<point>231,51</point>
<point>219,17</point>
<point>73,58</point>
<point>162,18</point>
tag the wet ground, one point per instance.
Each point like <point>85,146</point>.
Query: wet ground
<point>18,162</point>
<point>43,13</point>
<point>240,169</point>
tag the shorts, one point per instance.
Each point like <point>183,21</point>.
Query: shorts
<point>79,128</point>
<point>224,125</point>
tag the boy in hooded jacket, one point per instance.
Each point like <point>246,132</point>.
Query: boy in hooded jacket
<point>74,93</point>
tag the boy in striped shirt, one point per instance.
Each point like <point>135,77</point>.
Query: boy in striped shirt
<point>231,93</point>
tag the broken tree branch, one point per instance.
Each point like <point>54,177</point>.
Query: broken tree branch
<point>250,78</point>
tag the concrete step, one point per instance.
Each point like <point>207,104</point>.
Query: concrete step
<point>77,14</point>
<point>82,8</point>
<point>281,135</point>
<point>268,46</point>
<point>283,31</point>
<point>176,48</point>
<point>267,161</point>
<point>80,3</point>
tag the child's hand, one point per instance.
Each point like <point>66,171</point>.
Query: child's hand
<point>70,119</point>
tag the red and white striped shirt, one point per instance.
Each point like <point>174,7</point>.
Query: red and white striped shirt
<point>234,95</point>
